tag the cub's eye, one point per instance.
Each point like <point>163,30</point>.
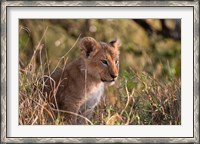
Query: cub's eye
<point>104,62</point>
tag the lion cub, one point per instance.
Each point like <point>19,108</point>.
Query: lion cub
<point>81,84</point>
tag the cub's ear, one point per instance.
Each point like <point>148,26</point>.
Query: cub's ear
<point>115,43</point>
<point>88,46</point>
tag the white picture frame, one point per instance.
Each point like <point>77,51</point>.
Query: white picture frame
<point>7,85</point>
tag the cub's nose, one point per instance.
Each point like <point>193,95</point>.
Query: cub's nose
<point>113,76</point>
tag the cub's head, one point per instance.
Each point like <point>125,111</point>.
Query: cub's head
<point>101,59</point>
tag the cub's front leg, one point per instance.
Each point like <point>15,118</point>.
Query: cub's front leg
<point>87,114</point>
<point>71,109</point>
<point>87,109</point>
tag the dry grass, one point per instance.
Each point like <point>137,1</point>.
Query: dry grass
<point>36,106</point>
<point>141,99</point>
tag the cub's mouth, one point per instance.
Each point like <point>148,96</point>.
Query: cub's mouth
<point>108,81</point>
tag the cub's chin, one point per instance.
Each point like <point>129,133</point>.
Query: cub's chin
<point>109,83</point>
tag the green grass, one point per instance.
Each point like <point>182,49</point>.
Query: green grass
<point>143,100</point>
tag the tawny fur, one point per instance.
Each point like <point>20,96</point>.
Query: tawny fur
<point>83,81</point>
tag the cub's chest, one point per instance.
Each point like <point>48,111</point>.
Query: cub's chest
<point>93,96</point>
<point>96,91</point>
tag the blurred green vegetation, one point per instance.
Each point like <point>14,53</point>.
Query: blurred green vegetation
<point>155,55</point>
